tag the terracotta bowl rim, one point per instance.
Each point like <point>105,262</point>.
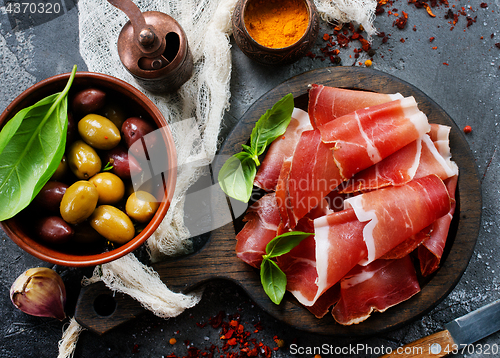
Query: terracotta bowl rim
<point>47,254</point>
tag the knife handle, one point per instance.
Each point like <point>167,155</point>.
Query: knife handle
<point>436,345</point>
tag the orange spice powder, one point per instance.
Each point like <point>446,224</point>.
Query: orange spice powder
<point>276,24</point>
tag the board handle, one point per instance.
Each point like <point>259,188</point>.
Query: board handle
<point>434,346</point>
<point>99,309</point>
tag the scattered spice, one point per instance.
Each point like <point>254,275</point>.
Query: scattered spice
<point>497,44</point>
<point>428,9</point>
<point>401,22</point>
<point>172,341</point>
<point>467,129</point>
<point>237,341</point>
<point>276,24</point>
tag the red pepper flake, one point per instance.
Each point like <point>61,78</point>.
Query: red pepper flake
<point>484,5</point>
<point>467,129</point>
<point>470,20</point>
<point>431,39</point>
<point>135,349</point>
<point>326,37</point>
<point>444,63</point>
<point>105,137</point>
<point>402,40</point>
<point>216,321</point>
<point>428,9</point>
<point>434,48</point>
<point>401,22</point>
<point>497,44</point>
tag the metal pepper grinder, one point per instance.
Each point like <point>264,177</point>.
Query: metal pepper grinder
<point>154,49</point>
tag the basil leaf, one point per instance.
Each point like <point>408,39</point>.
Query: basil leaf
<point>31,150</point>
<point>284,243</point>
<point>272,124</point>
<point>273,280</point>
<point>236,176</point>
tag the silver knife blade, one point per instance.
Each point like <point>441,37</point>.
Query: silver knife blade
<point>475,325</point>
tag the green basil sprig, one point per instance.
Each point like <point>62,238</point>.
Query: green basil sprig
<point>238,172</point>
<point>32,145</point>
<point>273,279</point>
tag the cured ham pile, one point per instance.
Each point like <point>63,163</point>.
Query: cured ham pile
<point>374,182</point>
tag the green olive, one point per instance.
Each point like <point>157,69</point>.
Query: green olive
<point>99,132</point>
<point>79,202</point>
<point>113,224</point>
<point>83,160</point>
<point>115,114</point>
<point>110,187</point>
<point>141,206</point>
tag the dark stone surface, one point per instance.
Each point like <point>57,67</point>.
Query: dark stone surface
<point>461,74</point>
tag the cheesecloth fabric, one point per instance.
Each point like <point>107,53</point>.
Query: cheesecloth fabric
<point>202,100</point>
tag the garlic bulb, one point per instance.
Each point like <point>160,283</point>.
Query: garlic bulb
<point>40,292</point>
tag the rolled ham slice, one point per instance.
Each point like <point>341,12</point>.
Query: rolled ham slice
<point>376,287</point>
<point>327,156</point>
<point>328,103</point>
<point>320,261</point>
<point>365,137</point>
<point>416,160</point>
<point>262,219</point>
<point>306,179</point>
<point>397,169</point>
<point>394,214</point>
<point>281,149</point>
<point>431,251</point>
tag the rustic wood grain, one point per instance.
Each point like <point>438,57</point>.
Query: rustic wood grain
<point>439,344</point>
<point>217,259</point>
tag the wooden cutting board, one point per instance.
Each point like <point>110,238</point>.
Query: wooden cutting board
<point>217,259</point>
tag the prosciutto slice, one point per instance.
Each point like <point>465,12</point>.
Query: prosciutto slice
<point>365,137</point>
<point>281,149</point>
<point>394,214</point>
<point>327,103</point>
<point>397,169</point>
<point>320,261</point>
<point>306,179</point>
<point>416,160</point>
<point>262,220</point>
<point>431,251</point>
<point>376,287</point>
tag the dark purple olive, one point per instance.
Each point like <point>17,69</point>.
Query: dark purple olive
<point>123,164</point>
<point>134,129</point>
<point>85,234</point>
<point>54,230</point>
<point>51,195</point>
<point>72,131</point>
<point>89,100</point>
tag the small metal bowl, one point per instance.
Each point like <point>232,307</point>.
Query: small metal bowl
<point>20,227</point>
<point>269,55</point>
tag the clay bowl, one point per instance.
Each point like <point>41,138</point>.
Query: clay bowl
<point>270,55</point>
<point>20,227</point>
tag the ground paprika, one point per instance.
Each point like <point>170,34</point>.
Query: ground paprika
<point>276,24</point>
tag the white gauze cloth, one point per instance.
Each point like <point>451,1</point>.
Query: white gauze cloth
<point>204,97</point>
